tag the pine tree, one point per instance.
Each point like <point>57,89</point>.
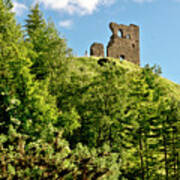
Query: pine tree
<point>35,21</point>
<point>48,49</point>
<point>25,105</point>
<point>141,107</point>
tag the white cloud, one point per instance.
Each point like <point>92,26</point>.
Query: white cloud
<point>66,23</point>
<point>142,1</point>
<point>108,2</point>
<point>19,8</point>
<point>80,7</point>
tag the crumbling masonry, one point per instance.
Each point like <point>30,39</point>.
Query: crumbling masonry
<point>97,49</point>
<point>123,44</point>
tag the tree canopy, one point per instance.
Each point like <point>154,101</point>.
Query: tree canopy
<point>70,118</point>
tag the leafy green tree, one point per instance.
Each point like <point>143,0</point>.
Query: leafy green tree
<point>26,108</point>
<point>98,102</point>
<point>141,109</point>
<point>49,56</point>
<point>54,159</point>
<point>96,163</point>
<point>150,114</point>
<point>48,49</point>
<point>102,105</point>
<point>168,144</point>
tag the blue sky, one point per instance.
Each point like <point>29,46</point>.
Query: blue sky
<point>83,22</point>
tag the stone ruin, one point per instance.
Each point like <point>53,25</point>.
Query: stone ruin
<point>123,44</point>
<point>97,49</point>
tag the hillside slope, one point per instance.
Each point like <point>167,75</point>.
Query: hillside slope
<point>88,66</point>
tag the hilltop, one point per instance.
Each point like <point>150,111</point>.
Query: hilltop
<point>88,66</point>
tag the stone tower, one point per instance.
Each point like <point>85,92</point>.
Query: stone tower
<point>124,43</point>
<point>97,49</point>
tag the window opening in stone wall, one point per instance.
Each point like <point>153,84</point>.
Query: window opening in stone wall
<point>122,57</point>
<point>128,36</point>
<point>120,33</point>
<point>133,45</point>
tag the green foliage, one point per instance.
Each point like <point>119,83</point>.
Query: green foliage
<point>70,118</point>
<point>48,49</point>
<point>42,160</point>
<point>35,21</point>
<point>8,4</point>
<point>37,160</point>
<point>121,107</point>
<point>99,163</point>
<point>25,106</point>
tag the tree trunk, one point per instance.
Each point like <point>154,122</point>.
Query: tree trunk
<point>165,157</point>
<point>141,157</point>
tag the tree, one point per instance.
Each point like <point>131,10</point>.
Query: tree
<point>54,159</point>
<point>35,21</point>
<point>48,54</point>
<point>8,4</point>
<point>98,102</point>
<point>25,106</point>
<point>48,49</point>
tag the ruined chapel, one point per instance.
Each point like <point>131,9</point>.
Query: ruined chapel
<point>123,44</point>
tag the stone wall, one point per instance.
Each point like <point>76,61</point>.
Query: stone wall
<point>97,49</point>
<point>123,44</point>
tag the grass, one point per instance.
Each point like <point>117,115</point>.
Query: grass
<point>88,67</point>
